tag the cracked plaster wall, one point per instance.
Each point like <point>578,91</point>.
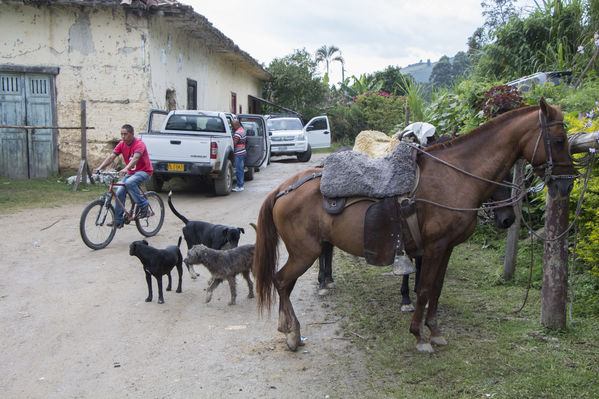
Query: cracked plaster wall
<point>121,64</point>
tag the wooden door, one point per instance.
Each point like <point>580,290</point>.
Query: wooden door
<point>26,100</point>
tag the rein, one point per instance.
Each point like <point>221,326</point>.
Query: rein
<point>520,193</point>
<point>490,205</point>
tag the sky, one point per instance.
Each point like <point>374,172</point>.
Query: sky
<point>371,34</point>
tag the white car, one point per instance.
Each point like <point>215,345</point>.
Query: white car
<point>541,78</point>
<point>289,137</point>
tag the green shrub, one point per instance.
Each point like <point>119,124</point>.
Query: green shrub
<point>454,111</point>
<point>500,99</point>
<point>346,123</point>
<point>588,237</point>
<point>382,110</point>
<point>369,111</point>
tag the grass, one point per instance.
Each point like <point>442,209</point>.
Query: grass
<point>18,195</point>
<point>493,351</point>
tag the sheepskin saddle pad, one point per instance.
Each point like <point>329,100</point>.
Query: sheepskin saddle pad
<point>351,174</point>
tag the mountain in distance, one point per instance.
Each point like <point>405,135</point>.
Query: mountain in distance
<point>420,71</point>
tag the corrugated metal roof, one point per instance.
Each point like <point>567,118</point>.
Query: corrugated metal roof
<point>181,16</point>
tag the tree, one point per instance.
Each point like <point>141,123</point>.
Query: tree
<point>326,54</point>
<point>355,86</point>
<point>460,65</point>
<point>441,74</point>
<point>545,40</point>
<point>295,84</point>
<point>392,80</point>
<point>497,13</point>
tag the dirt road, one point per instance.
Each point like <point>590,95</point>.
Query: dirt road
<point>74,323</point>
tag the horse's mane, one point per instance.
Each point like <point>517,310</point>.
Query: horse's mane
<point>489,125</point>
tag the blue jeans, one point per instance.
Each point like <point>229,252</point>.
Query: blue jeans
<point>131,183</point>
<point>239,166</point>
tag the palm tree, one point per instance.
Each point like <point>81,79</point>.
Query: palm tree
<point>326,54</point>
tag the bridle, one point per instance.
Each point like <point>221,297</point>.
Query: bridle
<point>547,167</point>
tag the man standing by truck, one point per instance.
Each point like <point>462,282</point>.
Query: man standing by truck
<point>137,170</point>
<point>239,152</point>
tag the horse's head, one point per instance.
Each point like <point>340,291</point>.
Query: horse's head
<point>548,151</point>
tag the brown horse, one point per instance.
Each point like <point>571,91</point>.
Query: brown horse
<point>458,174</point>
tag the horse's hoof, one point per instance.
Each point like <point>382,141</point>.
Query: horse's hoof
<point>425,348</point>
<point>440,341</point>
<point>407,308</point>
<point>293,341</point>
<point>323,292</point>
<point>331,285</point>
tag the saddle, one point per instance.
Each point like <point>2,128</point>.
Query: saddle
<point>383,224</point>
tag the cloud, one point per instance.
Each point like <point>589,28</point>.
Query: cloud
<point>371,35</point>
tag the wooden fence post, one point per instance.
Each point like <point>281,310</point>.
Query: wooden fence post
<point>555,263</point>
<point>511,246</point>
<point>83,172</point>
<point>555,257</point>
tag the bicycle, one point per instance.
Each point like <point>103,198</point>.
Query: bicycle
<point>98,220</point>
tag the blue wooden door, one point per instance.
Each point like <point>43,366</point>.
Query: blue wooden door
<point>12,112</point>
<point>26,100</point>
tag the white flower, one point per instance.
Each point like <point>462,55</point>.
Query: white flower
<point>581,49</point>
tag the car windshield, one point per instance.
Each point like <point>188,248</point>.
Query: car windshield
<point>195,123</point>
<point>284,124</point>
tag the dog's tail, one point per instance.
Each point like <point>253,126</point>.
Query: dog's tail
<point>254,226</point>
<point>177,214</point>
<point>179,243</point>
<point>266,254</point>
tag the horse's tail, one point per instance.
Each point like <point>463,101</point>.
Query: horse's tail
<point>177,214</point>
<point>266,253</point>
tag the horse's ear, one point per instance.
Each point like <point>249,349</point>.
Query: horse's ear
<point>544,106</point>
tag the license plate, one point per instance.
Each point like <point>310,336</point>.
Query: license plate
<point>283,148</point>
<point>175,167</point>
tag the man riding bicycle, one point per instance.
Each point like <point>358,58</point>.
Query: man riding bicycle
<point>138,170</point>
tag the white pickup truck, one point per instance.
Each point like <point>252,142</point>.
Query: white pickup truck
<point>199,144</point>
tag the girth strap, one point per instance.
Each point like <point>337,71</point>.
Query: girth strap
<point>298,184</point>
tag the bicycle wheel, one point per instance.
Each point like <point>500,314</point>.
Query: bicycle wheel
<point>150,226</point>
<point>94,224</point>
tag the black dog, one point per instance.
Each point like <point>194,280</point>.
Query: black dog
<point>158,262</point>
<point>215,236</point>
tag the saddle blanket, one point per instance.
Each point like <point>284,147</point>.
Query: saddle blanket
<point>352,174</point>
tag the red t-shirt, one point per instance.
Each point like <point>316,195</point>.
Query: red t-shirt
<point>143,164</point>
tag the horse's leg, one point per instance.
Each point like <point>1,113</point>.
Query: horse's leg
<point>418,268</point>
<point>425,288</point>
<point>284,281</point>
<point>406,302</point>
<point>325,269</point>
<point>328,276</point>
<point>431,316</point>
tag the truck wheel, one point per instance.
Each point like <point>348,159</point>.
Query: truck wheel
<point>224,184</point>
<point>306,155</point>
<point>154,184</point>
<point>249,174</point>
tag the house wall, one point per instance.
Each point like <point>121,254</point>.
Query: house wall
<point>120,63</point>
<point>99,53</point>
<point>175,57</point>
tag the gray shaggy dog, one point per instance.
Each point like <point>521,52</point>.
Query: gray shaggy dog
<point>224,265</point>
